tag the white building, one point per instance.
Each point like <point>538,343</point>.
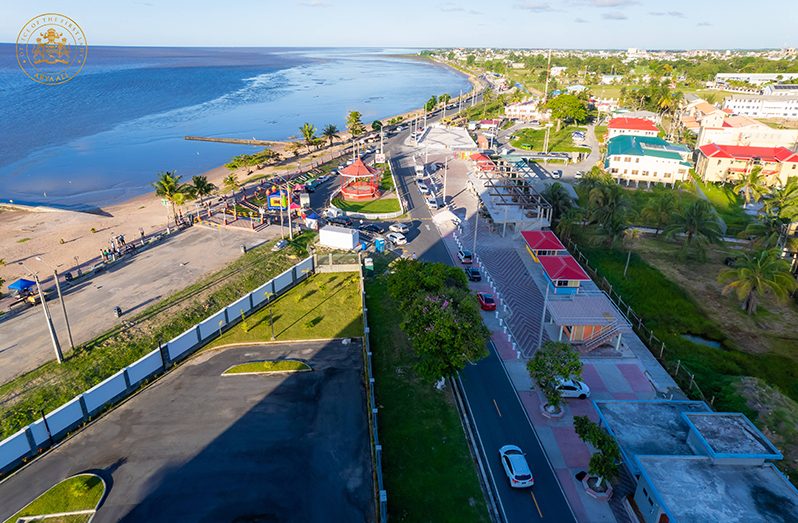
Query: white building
<point>631,127</point>
<point>339,237</point>
<point>744,131</point>
<point>524,111</point>
<point>753,78</point>
<point>764,105</point>
<point>648,159</point>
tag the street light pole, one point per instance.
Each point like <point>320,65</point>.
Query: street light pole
<point>476,228</point>
<point>63,305</point>
<point>53,337</point>
<point>445,173</point>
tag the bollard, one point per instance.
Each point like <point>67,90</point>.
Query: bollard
<point>497,314</point>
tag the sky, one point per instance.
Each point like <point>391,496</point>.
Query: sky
<point>605,24</point>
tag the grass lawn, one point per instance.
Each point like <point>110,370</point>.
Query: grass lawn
<point>728,205</point>
<point>601,133</point>
<point>429,472</point>
<point>52,385</point>
<point>324,306</point>
<point>386,181</point>
<point>532,140</point>
<point>268,366</point>
<point>81,492</point>
<point>388,203</point>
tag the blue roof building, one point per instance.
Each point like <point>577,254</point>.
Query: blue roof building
<point>648,159</point>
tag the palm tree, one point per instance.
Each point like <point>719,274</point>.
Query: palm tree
<point>659,209</point>
<point>559,199</point>
<point>169,188</point>
<point>607,204</point>
<point>231,183</point>
<point>699,224</point>
<point>784,201</point>
<point>756,274</point>
<point>751,184</point>
<point>569,221</point>
<point>308,131</point>
<point>354,123</point>
<point>330,132</point>
<point>201,187</point>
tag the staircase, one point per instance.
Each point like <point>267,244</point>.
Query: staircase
<point>598,340</point>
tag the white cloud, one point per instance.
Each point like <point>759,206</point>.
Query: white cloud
<point>535,7</point>
<point>314,3</point>
<point>614,15</point>
<point>675,14</point>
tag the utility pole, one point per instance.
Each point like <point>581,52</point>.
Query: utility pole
<point>63,306</point>
<point>290,225</point>
<point>543,315</point>
<point>476,228</point>
<point>445,173</point>
<point>548,74</point>
<point>53,337</point>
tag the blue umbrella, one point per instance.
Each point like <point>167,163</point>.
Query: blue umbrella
<point>21,285</point>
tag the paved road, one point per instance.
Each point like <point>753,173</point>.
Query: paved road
<point>196,446</point>
<point>142,281</point>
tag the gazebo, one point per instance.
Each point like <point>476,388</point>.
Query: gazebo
<point>360,182</point>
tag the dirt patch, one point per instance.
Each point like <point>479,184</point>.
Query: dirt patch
<point>777,418</point>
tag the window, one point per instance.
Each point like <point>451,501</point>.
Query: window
<point>626,171</point>
<point>627,159</point>
<point>719,161</point>
<point>637,160</point>
<point>614,170</point>
<point>634,171</point>
<point>645,173</point>
<point>666,175</point>
<point>561,283</point>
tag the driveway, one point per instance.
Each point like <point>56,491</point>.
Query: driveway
<point>196,446</point>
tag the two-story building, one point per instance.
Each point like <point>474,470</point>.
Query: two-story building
<point>635,159</point>
<point>524,111</point>
<point>725,163</point>
<point>623,126</point>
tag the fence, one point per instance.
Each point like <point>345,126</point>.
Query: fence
<point>381,494</point>
<point>680,373</point>
<point>43,433</point>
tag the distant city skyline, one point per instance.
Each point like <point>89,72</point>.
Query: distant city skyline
<point>566,24</point>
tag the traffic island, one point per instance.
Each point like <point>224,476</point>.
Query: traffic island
<point>75,499</point>
<point>268,367</point>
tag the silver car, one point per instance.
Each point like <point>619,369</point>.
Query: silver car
<point>516,467</point>
<point>396,238</point>
<point>399,227</point>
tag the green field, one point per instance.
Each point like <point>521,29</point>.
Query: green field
<point>385,204</point>
<point>81,492</point>
<point>532,140</point>
<point>265,367</point>
<point>728,205</point>
<point>429,473</point>
<point>324,306</point>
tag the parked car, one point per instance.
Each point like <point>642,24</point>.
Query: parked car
<point>516,467</point>
<point>486,301</point>
<point>399,227</point>
<point>420,174</point>
<point>473,274</point>
<point>423,187</point>
<point>396,238</point>
<point>346,221</point>
<point>465,256</point>
<point>279,245</point>
<point>579,174</point>
<point>432,202</point>
<point>556,174</point>
<point>370,227</point>
<point>570,388</point>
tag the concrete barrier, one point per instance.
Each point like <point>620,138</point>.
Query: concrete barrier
<point>66,417</point>
<point>144,367</point>
<point>212,325</point>
<point>259,294</point>
<point>235,309</point>
<point>181,344</point>
<point>14,448</point>
<point>284,280</point>
<point>38,433</point>
<point>105,392</point>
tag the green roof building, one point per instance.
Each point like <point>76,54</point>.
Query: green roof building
<point>635,159</point>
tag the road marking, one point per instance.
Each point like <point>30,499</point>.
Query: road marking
<point>536,504</point>
<point>427,226</point>
<point>497,408</point>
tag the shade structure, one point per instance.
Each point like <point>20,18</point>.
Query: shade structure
<point>21,285</point>
<point>360,181</point>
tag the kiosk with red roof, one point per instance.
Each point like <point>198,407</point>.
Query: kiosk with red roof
<point>360,182</point>
<point>563,273</point>
<point>542,243</point>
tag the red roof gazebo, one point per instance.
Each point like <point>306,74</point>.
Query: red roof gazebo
<point>360,182</point>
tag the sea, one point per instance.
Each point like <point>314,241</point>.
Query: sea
<point>104,136</point>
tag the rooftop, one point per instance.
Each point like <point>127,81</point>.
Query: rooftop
<point>358,168</point>
<point>584,309</point>
<point>563,267</point>
<point>693,490</point>
<point>645,146</point>
<point>745,152</point>
<point>542,240</point>
<point>637,124</point>
<point>728,434</point>
<point>451,138</point>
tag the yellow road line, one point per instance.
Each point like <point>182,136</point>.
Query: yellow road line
<point>536,504</point>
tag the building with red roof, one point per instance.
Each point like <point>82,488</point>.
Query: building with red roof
<point>483,162</point>
<point>723,163</point>
<point>563,273</point>
<point>360,181</point>
<point>542,243</point>
<point>631,127</point>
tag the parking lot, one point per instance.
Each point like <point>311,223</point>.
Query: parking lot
<point>197,446</point>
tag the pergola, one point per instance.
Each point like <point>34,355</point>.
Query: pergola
<point>360,182</point>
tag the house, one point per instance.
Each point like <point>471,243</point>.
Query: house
<point>699,112</point>
<point>524,111</point>
<point>489,124</point>
<point>563,273</point>
<point>722,163</point>
<point>780,90</point>
<point>725,129</point>
<point>608,79</point>
<point>605,105</point>
<point>693,465</point>
<point>557,70</point>
<point>482,163</point>
<point>783,105</point>
<point>646,159</point>
<point>631,127</point>
<point>543,243</point>
<point>576,88</point>
<point>723,79</point>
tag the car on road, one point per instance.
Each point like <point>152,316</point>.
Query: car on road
<point>465,256</point>
<point>516,467</point>
<point>473,274</point>
<point>419,170</point>
<point>396,238</point>
<point>420,174</point>
<point>346,221</point>
<point>423,188</point>
<point>579,174</point>
<point>486,301</point>
<point>556,174</point>
<point>399,227</point>
<point>370,227</point>
<point>432,202</point>
<point>279,245</point>
<point>570,388</point>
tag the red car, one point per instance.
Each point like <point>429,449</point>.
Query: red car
<point>486,301</point>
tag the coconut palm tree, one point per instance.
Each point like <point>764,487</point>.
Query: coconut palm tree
<point>659,209</point>
<point>607,204</point>
<point>308,131</point>
<point>201,187</point>
<point>699,224</point>
<point>169,188</point>
<point>330,132</point>
<point>559,199</point>
<point>569,221</point>
<point>784,201</point>
<point>752,185</point>
<point>757,274</point>
<point>231,183</point>
<point>354,123</point>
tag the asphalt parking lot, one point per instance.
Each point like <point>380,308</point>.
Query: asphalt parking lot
<point>196,446</point>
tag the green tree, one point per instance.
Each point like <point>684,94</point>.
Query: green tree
<point>608,204</point>
<point>659,209</point>
<point>699,224</point>
<point>201,187</point>
<point>231,183</point>
<point>308,131</point>
<point>783,201</point>
<point>752,185</point>
<point>755,275</point>
<point>376,125</point>
<point>559,199</point>
<point>554,361</point>
<point>169,188</point>
<point>431,103</point>
<point>604,463</point>
<point>569,222</point>
<point>471,60</point>
<point>331,133</point>
<point>766,231</point>
<point>567,107</point>
<point>354,124</point>
<point>444,98</point>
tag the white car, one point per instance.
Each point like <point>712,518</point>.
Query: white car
<point>423,188</point>
<point>396,238</point>
<point>432,203</point>
<point>579,174</point>
<point>570,388</point>
<point>399,227</point>
<point>556,174</point>
<point>516,467</point>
